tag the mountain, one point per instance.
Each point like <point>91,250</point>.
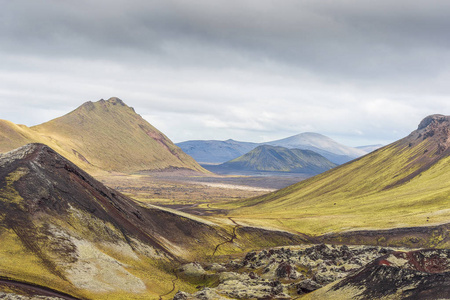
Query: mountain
<point>106,135</point>
<point>402,184</point>
<point>223,151</point>
<point>63,232</point>
<point>369,148</point>
<point>61,228</point>
<point>213,151</point>
<point>325,146</point>
<point>279,159</point>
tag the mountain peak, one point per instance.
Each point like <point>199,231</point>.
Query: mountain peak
<point>105,104</point>
<point>116,101</point>
<point>435,128</point>
<point>434,121</point>
<point>31,149</point>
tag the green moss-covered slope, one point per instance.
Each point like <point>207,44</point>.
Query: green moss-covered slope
<point>280,159</point>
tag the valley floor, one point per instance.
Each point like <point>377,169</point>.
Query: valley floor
<point>182,188</point>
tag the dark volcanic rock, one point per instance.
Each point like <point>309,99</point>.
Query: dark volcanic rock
<point>283,273</point>
<point>307,286</point>
<point>284,270</point>
<point>421,274</point>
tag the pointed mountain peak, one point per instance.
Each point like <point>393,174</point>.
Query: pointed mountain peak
<point>111,136</point>
<point>115,101</point>
<point>111,103</point>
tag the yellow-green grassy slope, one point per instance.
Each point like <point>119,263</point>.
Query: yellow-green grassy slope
<point>403,184</point>
<point>109,135</point>
<point>280,159</point>
<point>13,136</point>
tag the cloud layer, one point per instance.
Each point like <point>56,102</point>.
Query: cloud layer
<point>358,71</point>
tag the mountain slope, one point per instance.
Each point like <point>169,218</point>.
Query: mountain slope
<point>279,159</point>
<point>62,229</point>
<point>321,144</point>
<point>402,184</point>
<point>107,135</point>
<point>215,151</point>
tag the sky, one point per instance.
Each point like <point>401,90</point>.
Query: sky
<point>361,72</point>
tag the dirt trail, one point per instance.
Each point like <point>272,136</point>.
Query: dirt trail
<point>174,271</point>
<point>233,236</point>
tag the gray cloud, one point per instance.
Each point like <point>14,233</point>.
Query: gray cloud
<point>361,71</point>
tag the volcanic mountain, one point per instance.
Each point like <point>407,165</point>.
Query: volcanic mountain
<point>106,135</point>
<point>403,184</point>
<point>64,231</point>
<point>280,159</point>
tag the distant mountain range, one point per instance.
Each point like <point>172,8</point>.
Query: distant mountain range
<point>222,151</point>
<point>106,135</point>
<point>279,159</point>
<point>212,151</point>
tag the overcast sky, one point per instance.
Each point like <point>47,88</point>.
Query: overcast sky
<point>361,72</point>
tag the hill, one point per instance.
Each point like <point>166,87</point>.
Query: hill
<point>106,135</point>
<point>213,151</point>
<point>400,185</point>
<point>325,146</point>
<point>280,159</point>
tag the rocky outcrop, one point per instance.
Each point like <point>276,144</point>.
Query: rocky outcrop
<point>330,272</point>
<point>282,273</point>
<point>12,296</point>
<point>421,274</point>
